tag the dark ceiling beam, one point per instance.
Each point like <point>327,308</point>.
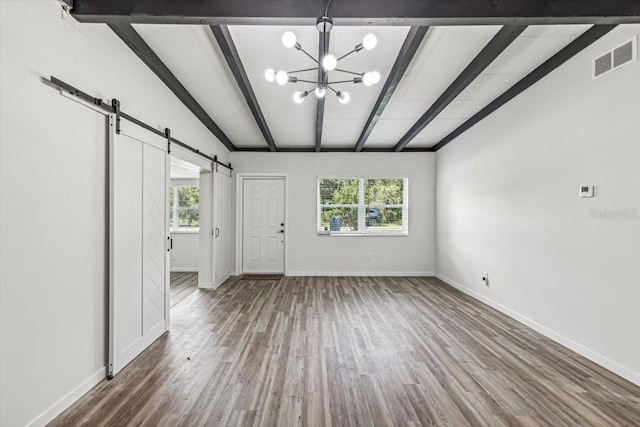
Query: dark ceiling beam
<point>409,48</point>
<point>360,12</point>
<point>135,42</point>
<point>375,150</point>
<point>568,52</point>
<point>335,150</point>
<point>224,39</point>
<point>487,55</point>
<point>260,149</point>
<point>323,48</point>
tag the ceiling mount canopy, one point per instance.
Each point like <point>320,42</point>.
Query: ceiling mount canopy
<point>324,24</point>
<point>325,62</point>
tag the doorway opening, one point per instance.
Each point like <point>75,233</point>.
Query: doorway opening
<point>184,228</point>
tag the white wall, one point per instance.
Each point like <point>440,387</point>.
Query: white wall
<point>53,191</point>
<point>185,252</point>
<point>310,254</point>
<point>507,204</point>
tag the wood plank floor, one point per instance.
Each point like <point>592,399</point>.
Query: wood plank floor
<point>183,284</point>
<point>353,352</point>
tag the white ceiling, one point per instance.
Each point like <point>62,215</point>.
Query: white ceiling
<point>534,46</point>
<point>193,55</point>
<point>343,123</point>
<point>260,48</point>
<point>443,54</point>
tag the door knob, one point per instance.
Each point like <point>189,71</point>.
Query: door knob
<point>282,224</point>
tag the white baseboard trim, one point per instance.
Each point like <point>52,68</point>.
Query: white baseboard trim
<point>184,269</point>
<point>205,285</point>
<point>606,363</point>
<point>70,398</point>
<point>363,273</point>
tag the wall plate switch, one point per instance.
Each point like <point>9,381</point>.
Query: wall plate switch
<point>586,191</point>
<point>485,279</point>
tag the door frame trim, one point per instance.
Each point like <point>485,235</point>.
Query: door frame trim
<point>240,178</point>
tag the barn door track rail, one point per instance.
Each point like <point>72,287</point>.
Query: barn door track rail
<point>114,108</point>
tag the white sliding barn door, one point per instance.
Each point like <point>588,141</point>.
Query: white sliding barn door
<point>222,225</point>
<point>139,276</point>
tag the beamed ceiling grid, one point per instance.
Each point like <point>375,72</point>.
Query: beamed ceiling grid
<point>445,65</point>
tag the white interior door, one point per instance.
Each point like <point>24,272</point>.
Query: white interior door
<point>222,224</point>
<point>263,226</point>
<point>139,257</point>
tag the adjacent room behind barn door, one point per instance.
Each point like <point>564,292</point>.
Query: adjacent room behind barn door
<point>184,225</point>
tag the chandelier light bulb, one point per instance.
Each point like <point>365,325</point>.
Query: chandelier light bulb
<point>344,97</point>
<point>368,79</point>
<point>376,77</point>
<point>329,62</point>
<point>320,92</point>
<point>369,41</point>
<point>270,75</point>
<point>282,77</point>
<point>298,97</point>
<point>289,39</point>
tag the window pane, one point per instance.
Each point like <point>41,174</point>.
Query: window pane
<point>383,191</point>
<point>339,192</point>
<point>188,217</point>
<point>385,220</point>
<point>188,197</point>
<point>339,219</point>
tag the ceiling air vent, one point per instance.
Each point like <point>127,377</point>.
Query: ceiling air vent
<point>615,58</point>
<point>602,65</point>
<point>623,54</point>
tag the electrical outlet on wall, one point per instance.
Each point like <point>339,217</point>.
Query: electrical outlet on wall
<point>485,278</point>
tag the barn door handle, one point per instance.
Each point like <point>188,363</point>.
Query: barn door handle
<point>217,233</point>
<point>170,243</point>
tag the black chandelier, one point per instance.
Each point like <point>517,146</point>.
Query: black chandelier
<point>325,63</point>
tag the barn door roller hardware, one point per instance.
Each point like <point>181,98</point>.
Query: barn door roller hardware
<point>116,109</point>
<point>167,134</point>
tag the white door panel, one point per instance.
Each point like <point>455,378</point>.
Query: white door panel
<point>154,239</point>
<point>222,224</point>
<point>126,250</point>
<point>138,288</point>
<point>263,226</point>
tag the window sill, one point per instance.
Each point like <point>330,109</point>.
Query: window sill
<point>185,231</point>
<point>363,234</point>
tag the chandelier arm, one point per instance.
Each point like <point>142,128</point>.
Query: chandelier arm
<point>338,82</point>
<point>309,55</point>
<point>302,71</point>
<point>307,81</point>
<point>334,91</point>
<point>348,53</point>
<point>349,72</point>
